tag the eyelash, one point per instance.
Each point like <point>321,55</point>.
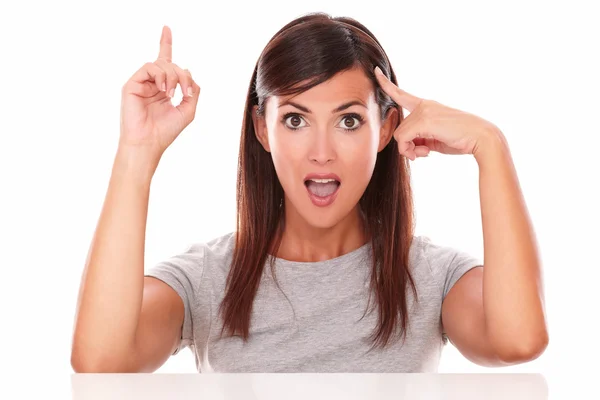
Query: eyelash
<point>350,115</point>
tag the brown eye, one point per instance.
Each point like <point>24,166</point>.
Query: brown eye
<point>294,121</point>
<point>351,122</point>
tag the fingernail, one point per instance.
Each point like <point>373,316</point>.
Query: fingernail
<point>378,71</point>
<point>172,92</point>
<point>189,91</point>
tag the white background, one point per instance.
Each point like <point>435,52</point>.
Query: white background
<point>529,67</point>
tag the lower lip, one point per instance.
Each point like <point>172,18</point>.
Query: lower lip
<point>323,201</point>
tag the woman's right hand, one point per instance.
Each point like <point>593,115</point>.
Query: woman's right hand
<point>149,121</point>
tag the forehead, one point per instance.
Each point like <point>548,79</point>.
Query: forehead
<point>347,85</point>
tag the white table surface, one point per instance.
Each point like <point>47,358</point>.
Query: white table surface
<point>488,386</point>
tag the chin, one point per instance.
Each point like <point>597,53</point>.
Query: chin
<point>322,222</point>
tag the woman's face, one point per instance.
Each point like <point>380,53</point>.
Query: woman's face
<point>309,133</point>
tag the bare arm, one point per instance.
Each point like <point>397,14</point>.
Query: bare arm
<point>495,315</point>
<point>124,322</point>
<point>513,294</point>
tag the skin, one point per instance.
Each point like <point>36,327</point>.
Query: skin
<point>126,322</point>
<point>322,145</point>
<point>494,315</point>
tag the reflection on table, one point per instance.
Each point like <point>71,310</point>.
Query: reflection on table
<point>309,386</point>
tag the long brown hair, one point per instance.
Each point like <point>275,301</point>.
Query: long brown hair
<point>312,49</point>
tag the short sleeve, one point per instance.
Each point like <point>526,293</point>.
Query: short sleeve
<point>448,264</point>
<point>183,272</point>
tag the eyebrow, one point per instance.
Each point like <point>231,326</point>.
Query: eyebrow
<point>338,109</point>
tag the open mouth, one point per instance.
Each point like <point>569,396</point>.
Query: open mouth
<point>322,192</point>
<point>322,187</point>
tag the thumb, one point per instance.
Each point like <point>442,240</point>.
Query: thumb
<point>189,103</point>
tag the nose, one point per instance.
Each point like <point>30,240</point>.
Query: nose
<point>322,149</point>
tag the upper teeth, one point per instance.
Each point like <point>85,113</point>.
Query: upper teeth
<point>323,180</point>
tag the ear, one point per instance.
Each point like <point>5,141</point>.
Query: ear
<point>388,127</point>
<point>260,129</point>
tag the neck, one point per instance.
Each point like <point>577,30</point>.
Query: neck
<point>306,243</point>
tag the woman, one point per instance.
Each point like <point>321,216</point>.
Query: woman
<point>323,273</point>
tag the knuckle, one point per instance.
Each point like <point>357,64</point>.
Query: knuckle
<point>158,70</point>
<point>128,87</point>
<point>424,107</point>
<point>429,105</point>
<point>162,64</point>
<point>180,73</point>
<point>172,76</point>
<point>188,74</point>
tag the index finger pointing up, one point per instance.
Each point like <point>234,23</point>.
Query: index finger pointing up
<point>402,98</point>
<point>166,44</point>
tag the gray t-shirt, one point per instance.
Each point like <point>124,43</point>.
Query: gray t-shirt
<point>322,333</point>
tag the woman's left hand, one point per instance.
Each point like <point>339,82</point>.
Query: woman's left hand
<point>432,126</point>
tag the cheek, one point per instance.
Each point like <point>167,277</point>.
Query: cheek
<point>359,169</point>
<point>359,157</point>
<point>286,158</point>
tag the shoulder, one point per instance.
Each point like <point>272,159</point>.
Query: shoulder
<point>219,244</point>
<point>419,256</point>
<point>446,263</point>
<point>420,250</point>
<point>215,253</point>
<point>197,254</point>
<point>219,248</point>
<point>435,254</point>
